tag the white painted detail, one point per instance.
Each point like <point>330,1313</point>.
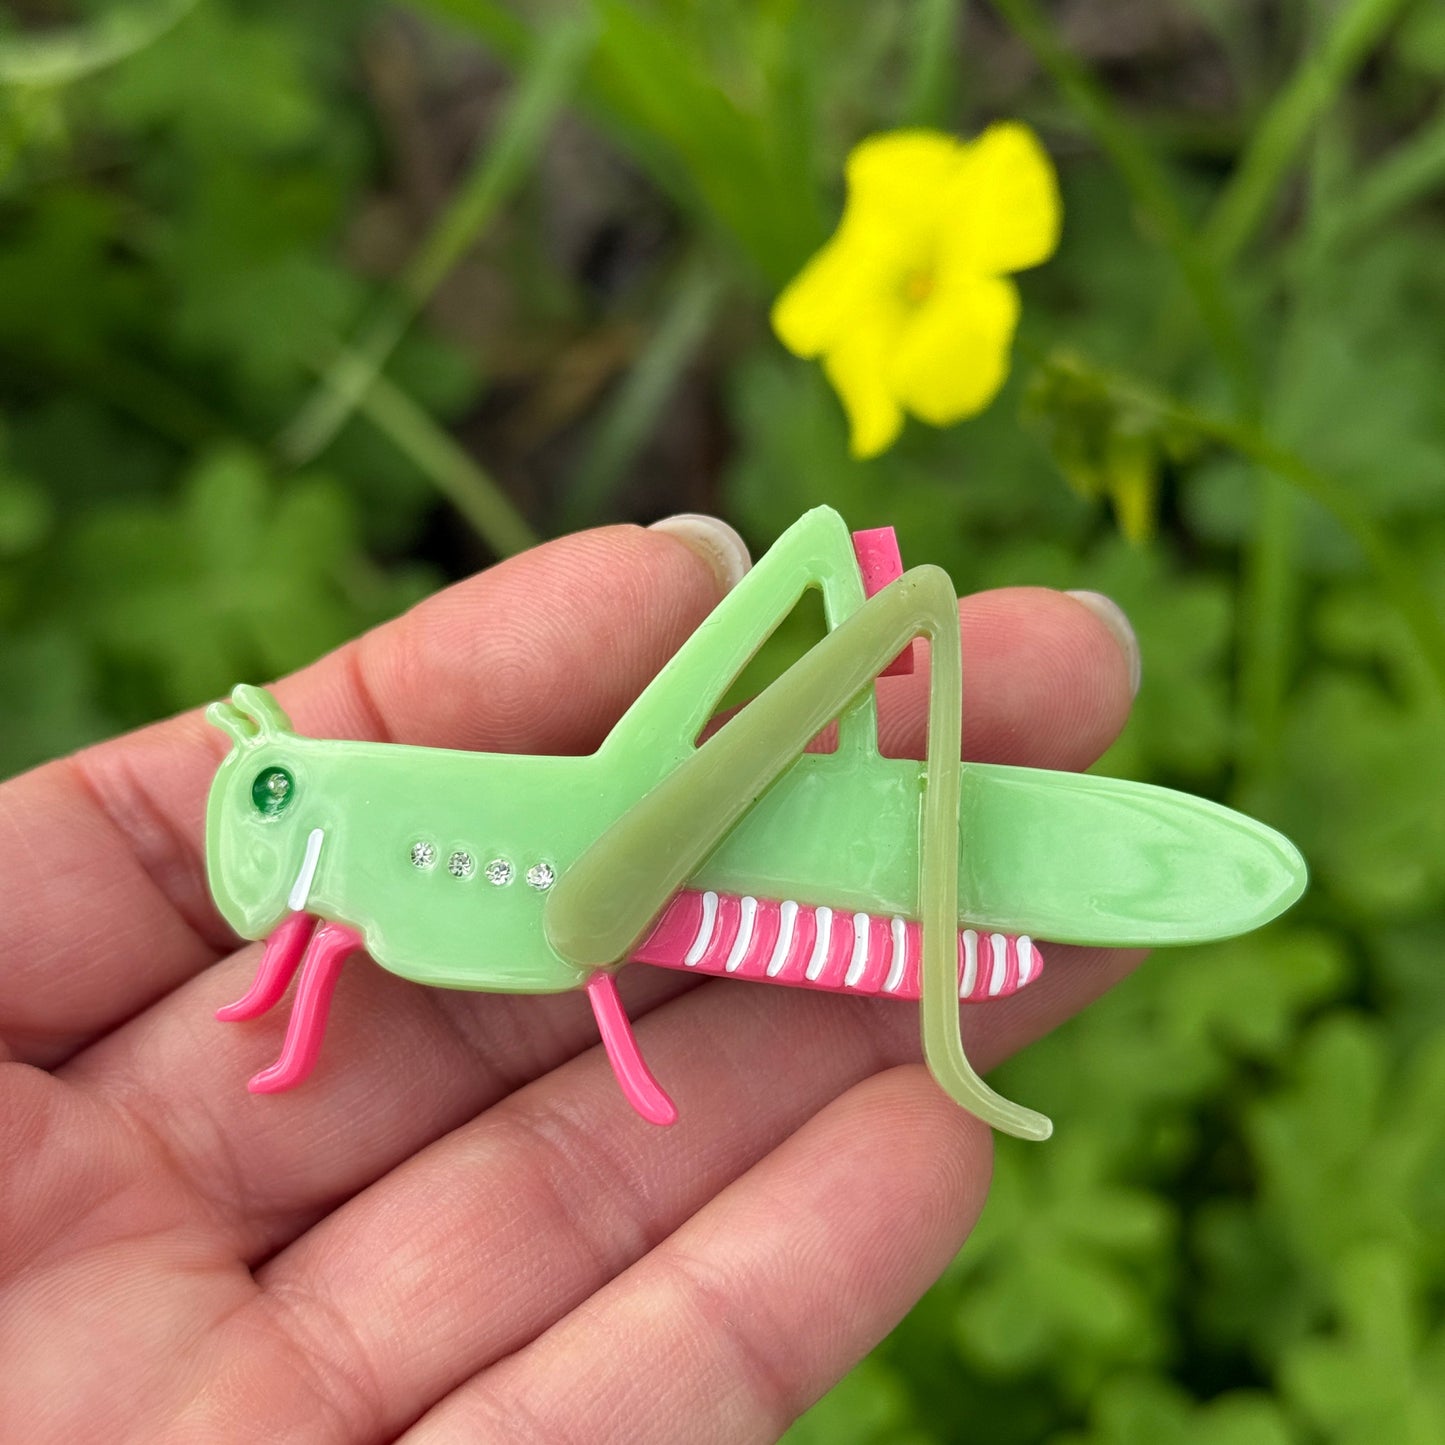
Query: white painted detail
<point>704,931</point>
<point>745,935</point>
<point>970,963</point>
<point>824,916</point>
<point>301,888</point>
<point>787,922</point>
<point>899,957</point>
<point>998,942</point>
<point>1025,946</point>
<point>859,961</point>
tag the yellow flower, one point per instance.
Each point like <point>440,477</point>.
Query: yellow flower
<point>909,304</point>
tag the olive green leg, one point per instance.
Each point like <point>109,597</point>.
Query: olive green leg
<point>936,617</point>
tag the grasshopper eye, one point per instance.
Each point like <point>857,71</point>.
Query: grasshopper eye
<point>272,792</point>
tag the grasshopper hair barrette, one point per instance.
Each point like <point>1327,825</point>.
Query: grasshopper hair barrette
<point>741,855</point>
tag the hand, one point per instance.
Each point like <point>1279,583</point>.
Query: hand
<point>456,1229</point>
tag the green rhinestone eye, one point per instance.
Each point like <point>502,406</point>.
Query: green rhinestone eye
<point>272,792</point>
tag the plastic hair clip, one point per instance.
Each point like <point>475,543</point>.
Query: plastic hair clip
<point>743,855</point>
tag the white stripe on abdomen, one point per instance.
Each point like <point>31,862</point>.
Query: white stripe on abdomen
<point>815,947</point>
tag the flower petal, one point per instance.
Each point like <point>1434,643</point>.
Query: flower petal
<point>817,306</point>
<point>858,367</point>
<point>953,355</point>
<point>898,184</point>
<point>1003,204</point>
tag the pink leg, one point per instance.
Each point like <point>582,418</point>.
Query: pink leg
<point>643,1092</point>
<point>330,948</point>
<point>283,952</point>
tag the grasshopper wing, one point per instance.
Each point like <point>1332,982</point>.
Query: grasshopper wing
<point>1102,861</point>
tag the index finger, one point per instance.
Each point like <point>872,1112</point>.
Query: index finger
<point>104,906</point>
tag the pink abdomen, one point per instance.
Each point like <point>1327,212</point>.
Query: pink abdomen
<point>812,946</point>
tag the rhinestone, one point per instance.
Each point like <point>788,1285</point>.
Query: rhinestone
<point>423,855</point>
<point>498,871</point>
<point>540,876</point>
<point>460,864</point>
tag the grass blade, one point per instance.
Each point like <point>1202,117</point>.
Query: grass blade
<point>932,70</point>
<point>1276,140</point>
<point>1397,577</point>
<point>544,88</point>
<point>60,56</point>
<point>1403,177</point>
<point>462,480</point>
<point>632,414</point>
<point>1150,186</point>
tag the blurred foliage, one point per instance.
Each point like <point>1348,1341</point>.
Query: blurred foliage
<point>305,308</point>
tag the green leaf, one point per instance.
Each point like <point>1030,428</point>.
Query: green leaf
<point>58,293</point>
<point>1060,1267</point>
<point>1139,1410</point>
<point>1105,447</point>
<point>1349,1154</point>
<point>50,687</point>
<point>25,513</point>
<point>247,579</point>
<point>1421,41</point>
<point>868,1407</point>
<point>218,80</point>
<point>1362,775</point>
<point>1380,1375</point>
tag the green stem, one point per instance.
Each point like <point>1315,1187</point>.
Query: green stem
<point>1150,187</point>
<point>1268,594</point>
<point>1270,602</point>
<point>546,84</point>
<point>1266,627</point>
<point>491,22</point>
<point>456,475</point>
<point>932,66</point>
<point>1397,577</point>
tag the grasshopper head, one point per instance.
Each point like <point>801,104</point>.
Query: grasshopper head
<point>255,833</point>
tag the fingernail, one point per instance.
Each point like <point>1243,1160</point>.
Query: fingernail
<point>714,541</point>
<point>1114,618</point>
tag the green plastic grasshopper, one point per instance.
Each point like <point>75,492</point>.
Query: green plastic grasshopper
<point>744,854</point>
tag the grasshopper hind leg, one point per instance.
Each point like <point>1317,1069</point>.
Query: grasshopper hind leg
<point>936,615</point>
<point>602,906</point>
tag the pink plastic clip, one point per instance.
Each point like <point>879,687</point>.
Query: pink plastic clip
<point>880,562</point>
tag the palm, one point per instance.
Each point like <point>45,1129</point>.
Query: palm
<point>456,1229</point>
